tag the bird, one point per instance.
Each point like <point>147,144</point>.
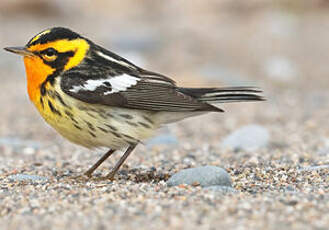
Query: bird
<point>96,98</point>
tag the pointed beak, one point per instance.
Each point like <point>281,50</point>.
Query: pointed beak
<point>20,51</point>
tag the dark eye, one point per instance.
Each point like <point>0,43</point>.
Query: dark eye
<point>50,52</point>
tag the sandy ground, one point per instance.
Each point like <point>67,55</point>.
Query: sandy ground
<point>281,47</point>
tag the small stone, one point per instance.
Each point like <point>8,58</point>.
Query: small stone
<point>249,138</point>
<point>205,176</point>
<point>290,189</point>
<point>183,186</point>
<point>26,177</point>
<point>196,183</point>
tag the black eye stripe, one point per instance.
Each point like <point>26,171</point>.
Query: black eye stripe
<point>60,61</point>
<point>59,57</point>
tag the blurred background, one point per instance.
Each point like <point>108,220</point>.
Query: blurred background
<point>272,150</point>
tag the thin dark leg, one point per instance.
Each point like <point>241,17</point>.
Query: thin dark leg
<point>99,162</point>
<point>120,162</point>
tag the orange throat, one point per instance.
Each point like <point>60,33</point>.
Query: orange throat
<point>36,73</point>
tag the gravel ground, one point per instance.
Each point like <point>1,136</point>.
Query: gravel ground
<point>275,152</point>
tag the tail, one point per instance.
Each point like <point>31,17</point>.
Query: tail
<point>212,96</point>
<point>224,95</point>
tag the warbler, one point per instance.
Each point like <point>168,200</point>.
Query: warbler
<point>96,98</point>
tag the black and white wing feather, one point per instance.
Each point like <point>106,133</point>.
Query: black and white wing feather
<point>134,92</point>
<point>108,79</point>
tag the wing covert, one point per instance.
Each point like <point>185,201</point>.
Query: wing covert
<point>145,92</point>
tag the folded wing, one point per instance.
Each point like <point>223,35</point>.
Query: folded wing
<point>146,91</point>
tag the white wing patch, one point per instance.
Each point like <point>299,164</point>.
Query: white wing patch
<point>89,85</point>
<point>121,83</point>
<point>118,83</point>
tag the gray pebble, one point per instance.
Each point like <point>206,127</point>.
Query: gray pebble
<point>26,177</point>
<point>249,138</point>
<point>205,176</point>
<point>290,189</point>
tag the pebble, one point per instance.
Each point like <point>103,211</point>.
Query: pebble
<point>204,176</point>
<point>248,138</point>
<point>26,177</point>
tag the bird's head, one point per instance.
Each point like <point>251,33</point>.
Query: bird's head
<point>49,54</point>
<point>53,49</point>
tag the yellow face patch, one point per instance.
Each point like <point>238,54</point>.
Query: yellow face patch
<point>79,46</point>
<point>36,37</point>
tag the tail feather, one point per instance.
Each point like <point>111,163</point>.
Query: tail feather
<point>224,95</point>
<point>212,96</point>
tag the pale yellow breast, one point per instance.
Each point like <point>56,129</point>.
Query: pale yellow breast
<point>92,125</point>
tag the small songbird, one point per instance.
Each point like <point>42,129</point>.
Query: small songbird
<point>95,98</point>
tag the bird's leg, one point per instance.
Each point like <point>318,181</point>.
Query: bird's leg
<point>99,162</point>
<point>120,162</point>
